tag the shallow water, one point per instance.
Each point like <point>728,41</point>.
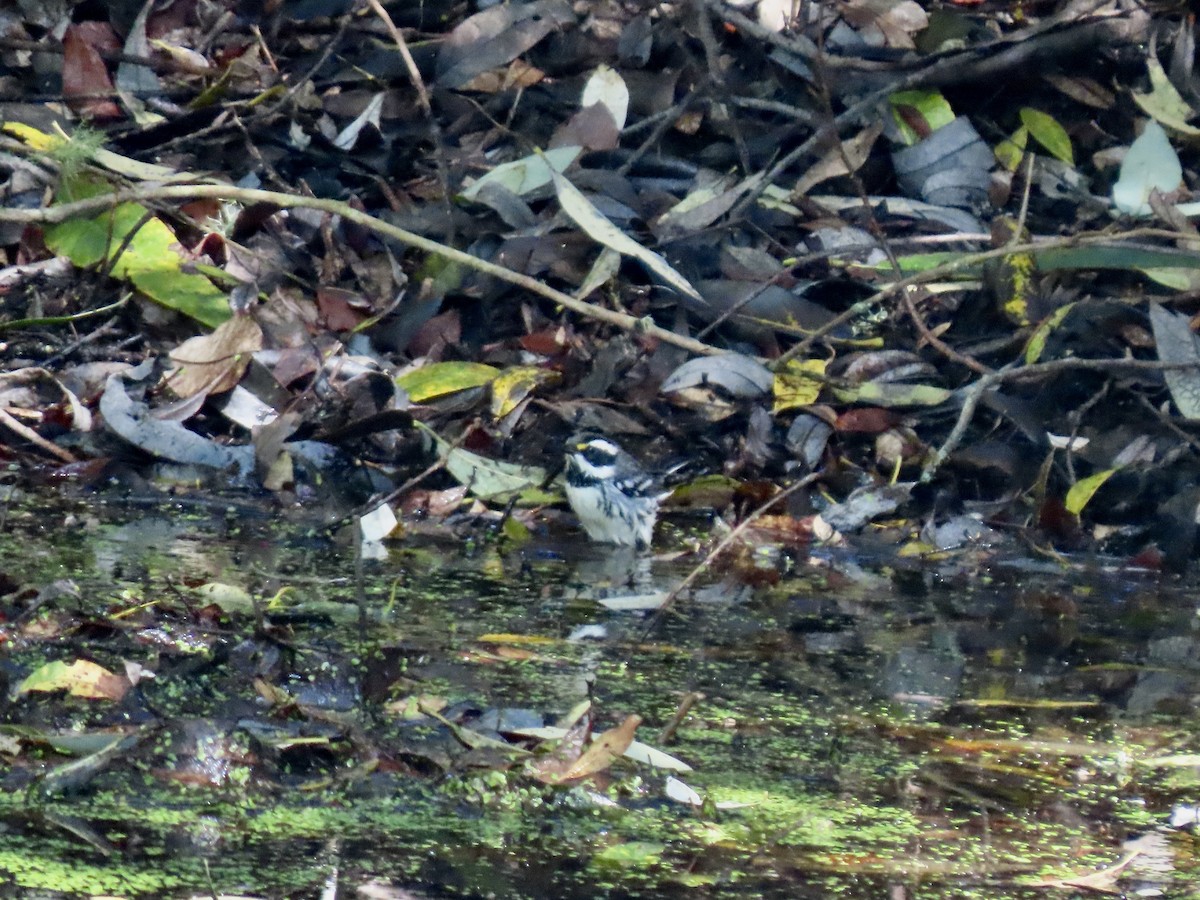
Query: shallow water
<point>942,728</point>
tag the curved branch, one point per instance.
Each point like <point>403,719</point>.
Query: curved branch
<point>56,214</point>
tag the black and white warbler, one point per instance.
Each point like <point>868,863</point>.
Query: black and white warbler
<point>615,498</point>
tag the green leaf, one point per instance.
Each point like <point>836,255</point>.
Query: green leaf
<point>1084,489</point>
<point>1011,150</point>
<point>1164,103</point>
<point>80,678</point>
<point>514,384</point>
<point>1047,132</point>
<point>439,379</point>
<point>1117,255</point>
<point>930,105</point>
<point>493,479</point>
<point>916,263</point>
<point>228,597</point>
<point>630,854</point>
<point>1037,341</point>
<point>888,394</point>
<point>1176,279</point>
<point>151,261</point>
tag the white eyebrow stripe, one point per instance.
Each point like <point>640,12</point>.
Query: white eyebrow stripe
<point>606,445</point>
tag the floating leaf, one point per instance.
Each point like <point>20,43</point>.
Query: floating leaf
<point>604,749</point>
<point>228,597</point>
<point>644,753</point>
<point>634,602</point>
<point>493,479</point>
<point>682,793</point>
<point>629,854</point>
<point>867,503</point>
<point>378,523</point>
<point>81,678</point>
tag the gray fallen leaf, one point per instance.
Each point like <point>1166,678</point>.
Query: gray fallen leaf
<point>526,175</point>
<point>738,375</point>
<point>867,503</point>
<point>1177,344</point>
<point>948,168</point>
<point>132,420</point>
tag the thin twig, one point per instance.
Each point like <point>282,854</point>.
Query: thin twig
<point>971,399</point>
<point>435,130</point>
<point>64,320</point>
<point>13,425</point>
<point>877,231</point>
<point>973,393</point>
<point>936,342</point>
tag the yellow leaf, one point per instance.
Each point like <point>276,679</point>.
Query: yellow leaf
<point>440,379</point>
<point>38,140</point>
<point>794,385</point>
<point>1084,489</point>
<point>515,384</point>
<point>1010,150</point>
<point>80,678</point>
<point>1037,340</point>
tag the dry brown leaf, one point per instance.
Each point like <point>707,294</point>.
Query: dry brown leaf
<point>604,750</point>
<point>213,363</point>
<point>554,766</point>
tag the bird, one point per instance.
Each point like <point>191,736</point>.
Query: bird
<point>615,499</point>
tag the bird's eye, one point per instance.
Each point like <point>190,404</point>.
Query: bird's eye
<point>597,456</point>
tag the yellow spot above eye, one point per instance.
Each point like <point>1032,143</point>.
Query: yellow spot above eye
<point>581,447</point>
